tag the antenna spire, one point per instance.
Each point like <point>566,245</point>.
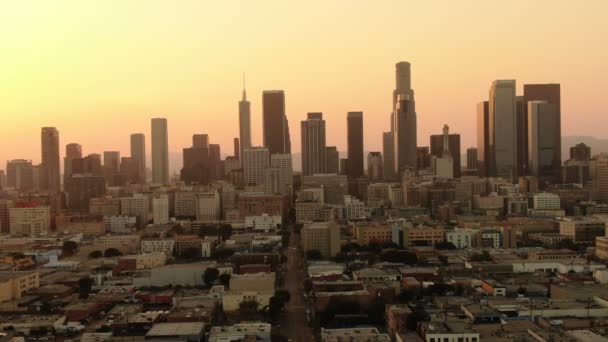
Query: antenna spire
<point>244,91</point>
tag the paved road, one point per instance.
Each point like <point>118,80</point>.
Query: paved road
<point>294,325</point>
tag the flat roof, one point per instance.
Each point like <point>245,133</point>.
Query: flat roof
<point>176,329</point>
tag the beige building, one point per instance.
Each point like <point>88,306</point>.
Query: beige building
<point>232,300</point>
<point>208,206</point>
<point>166,246</point>
<point>29,220</point>
<point>14,284</point>
<point>425,236</point>
<point>126,244</point>
<point>253,282</point>
<point>366,234</point>
<point>601,247</point>
<point>148,260</point>
<point>322,236</point>
<point>582,229</point>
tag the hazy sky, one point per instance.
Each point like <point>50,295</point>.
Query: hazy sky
<point>99,70</point>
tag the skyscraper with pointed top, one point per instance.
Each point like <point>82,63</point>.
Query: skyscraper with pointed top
<point>404,120</point>
<point>244,121</point>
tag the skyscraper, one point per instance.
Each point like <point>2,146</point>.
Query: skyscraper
<point>255,161</point>
<point>503,129</point>
<point>200,140</point>
<point>542,128</point>
<point>313,144</point>
<point>160,151</point>
<point>275,125</point>
<point>72,151</point>
<point>237,148</point>
<point>522,135</point>
<point>374,166</point>
<point>196,161</point>
<point>551,93</point>
<point>283,163</point>
<point>471,158</point>
<point>50,178</point>
<point>438,147</point>
<point>354,139</point>
<point>580,152</point>
<point>244,122</point>
<point>332,160</point>
<point>388,153</point>
<point>404,114</point>
<point>215,159</point>
<point>138,153</point>
<point>483,139</point>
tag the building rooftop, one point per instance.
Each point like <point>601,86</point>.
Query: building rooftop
<point>176,329</point>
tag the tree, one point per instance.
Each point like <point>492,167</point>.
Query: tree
<point>443,259</point>
<point>376,312</point>
<point>210,276</point>
<point>445,245</point>
<point>95,254</point>
<point>283,296</point>
<point>191,253</point>
<point>484,256</point>
<point>225,231</point>
<point>248,309</point>
<point>307,286</point>
<point>351,247</point>
<point>314,254</point>
<point>337,306</point>
<point>405,257</point>
<point>417,316</point>
<point>223,253</point>
<point>84,287</point>
<point>225,279</point>
<point>69,248</point>
<point>112,252</point>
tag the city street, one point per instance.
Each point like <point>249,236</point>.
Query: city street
<point>294,325</point>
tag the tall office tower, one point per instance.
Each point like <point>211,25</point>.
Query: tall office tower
<point>160,209</point>
<point>200,140</point>
<point>542,128</point>
<point>601,177</point>
<point>522,135</point>
<point>580,152</point>
<point>503,130</point>
<point>215,160</point>
<point>20,174</point>
<point>404,114</point>
<point>244,122</point>
<point>343,166</point>
<point>91,164</point>
<point>129,173</point>
<point>255,161</point>
<point>354,142</point>
<point>423,157</point>
<point>388,153</point>
<point>471,158</point>
<point>50,175</point>
<point>552,94</point>
<point>237,148</point>
<point>137,206</point>
<point>483,139</point>
<point>313,144</point>
<point>332,160</point>
<point>80,188</point>
<point>283,163</point>
<point>443,161</point>
<point>72,151</point>
<point>438,149</point>
<point>374,166</point>
<point>276,126</point>
<point>111,167</point>
<point>160,151</point>
<point>2,181</point>
<point>138,153</point>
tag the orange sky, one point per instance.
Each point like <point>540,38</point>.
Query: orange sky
<point>99,70</point>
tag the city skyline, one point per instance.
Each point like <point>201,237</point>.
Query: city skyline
<point>200,94</point>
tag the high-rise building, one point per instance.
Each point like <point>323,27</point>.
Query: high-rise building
<point>160,209</point>
<point>255,161</point>
<point>208,206</point>
<point>580,152</point>
<point>374,166</point>
<point>283,163</point>
<point>275,124</point>
<point>200,140</point>
<point>542,128</point>
<point>551,93</point>
<point>81,188</point>
<point>136,206</point>
<point>111,166</point>
<point>129,173</point>
<point>355,144</point>
<point>332,159</point>
<point>443,162</point>
<point>404,116</point>
<point>601,178</point>
<point>72,151</point>
<point>237,148</point>
<point>437,150</point>
<point>483,139</point>
<point>423,157</point>
<point>471,158</point>
<point>50,174</point>
<point>313,144</point>
<point>244,122</point>
<point>321,236</point>
<point>503,129</point>
<point>388,153</point>
<point>20,174</point>
<point>521,125</point>
<point>215,160</point>
<point>138,153</point>
<point>160,151</point>
<point>196,161</point>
